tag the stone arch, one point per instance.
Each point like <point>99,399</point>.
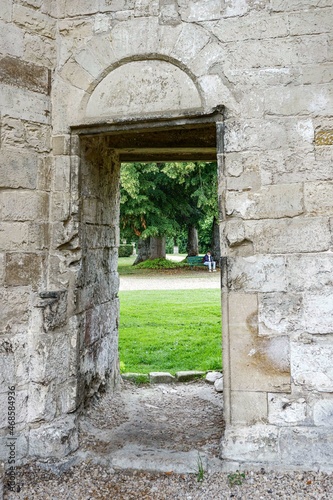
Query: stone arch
<point>186,47</point>
<point>141,87</point>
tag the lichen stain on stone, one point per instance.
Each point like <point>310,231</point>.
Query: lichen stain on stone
<point>324,138</point>
<point>268,354</point>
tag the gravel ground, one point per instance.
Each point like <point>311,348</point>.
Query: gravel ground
<point>87,482</point>
<point>191,416</point>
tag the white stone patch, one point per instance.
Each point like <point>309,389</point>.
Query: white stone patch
<point>143,87</point>
<point>323,413</point>
<point>102,23</point>
<point>277,351</point>
<point>305,129</point>
<point>257,273</point>
<point>318,313</point>
<point>311,366</point>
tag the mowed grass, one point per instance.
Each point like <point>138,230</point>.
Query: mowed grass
<point>170,330</point>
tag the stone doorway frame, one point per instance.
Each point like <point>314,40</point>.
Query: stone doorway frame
<point>127,141</point>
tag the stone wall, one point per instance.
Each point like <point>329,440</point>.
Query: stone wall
<point>67,68</point>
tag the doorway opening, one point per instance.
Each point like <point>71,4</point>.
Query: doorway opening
<point>170,316</point>
<point>103,149</point>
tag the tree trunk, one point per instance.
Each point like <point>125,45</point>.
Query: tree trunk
<point>216,248</point>
<point>150,248</point>
<point>192,242</point>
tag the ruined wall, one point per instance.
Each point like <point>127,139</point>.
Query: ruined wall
<point>269,63</point>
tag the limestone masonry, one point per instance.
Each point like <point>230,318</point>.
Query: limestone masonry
<point>87,84</point>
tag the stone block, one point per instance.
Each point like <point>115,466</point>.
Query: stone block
<point>280,313</point>
<point>145,8</point>
<point>292,236</point>
<point>40,50</point>
<point>6,12</point>
<point>318,198</point>
<point>208,60</point>
<point>18,171</point>
<point>62,172</point>
<point>310,21</point>
<point>24,74</point>
<point>257,443</point>
<point>61,145</point>
<point>55,440</point>
<point>248,408</point>
<point>258,273</point>
<point>68,396</point>
<point>191,40</point>
<point>161,378</point>
<point>100,321</point>
<point>51,358</point>
<point>256,26</point>
<point>257,364</point>
<point>24,205</point>
<point>310,272</point>
<point>39,237</point>
<point>284,409</point>
<point>60,206</point>
<point>86,58</point>
<point>291,5</point>
<point>101,47</point>
<point>270,202</point>
<point>24,104</point>
<point>323,413</point>
<point>311,366</point>
<point>21,399</point>
<point>11,41</point>
<point>168,13</point>
<point>318,101</point>
<point>34,21</point>
<point>14,236</point>
<point>14,365</point>
<point>206,10</point>
<point>116,5</point>
<point>24,269</point>
<point>76,75</point>
<point>318,312</point>
<point>42,406</point>
<point>306,447</point>
<point>324,138</point>
<point>14,313</point>
<point>83,8</point>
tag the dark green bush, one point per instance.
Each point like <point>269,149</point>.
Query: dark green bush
<point>125,250</point>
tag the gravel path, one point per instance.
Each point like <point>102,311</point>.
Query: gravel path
<point>195,279</point>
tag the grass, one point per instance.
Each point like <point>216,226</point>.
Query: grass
<point>170,330</point>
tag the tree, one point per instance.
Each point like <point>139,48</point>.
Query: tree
<point>159,200</point>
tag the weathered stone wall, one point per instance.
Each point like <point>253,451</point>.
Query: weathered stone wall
<point>269,63</point>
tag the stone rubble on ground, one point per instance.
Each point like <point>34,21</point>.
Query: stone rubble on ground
<point>211,377</point>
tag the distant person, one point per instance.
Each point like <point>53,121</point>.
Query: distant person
<point>208,261</point>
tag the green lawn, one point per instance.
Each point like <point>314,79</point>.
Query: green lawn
<point>170,330</point>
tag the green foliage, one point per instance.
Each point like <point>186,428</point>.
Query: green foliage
<point>160,264</point>
<point>170,330</point>
<point>125,250</point>
<point>236,478</point>
<point>164,199</point>
<point>201,471</point>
